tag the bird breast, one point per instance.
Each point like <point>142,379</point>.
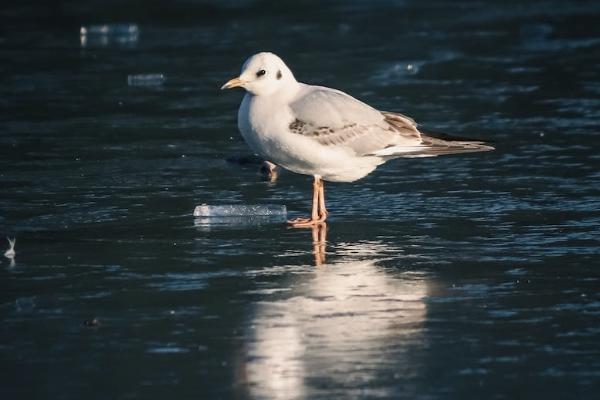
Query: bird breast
<point>263,125</point>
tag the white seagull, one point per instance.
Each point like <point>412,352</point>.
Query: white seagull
<point>323,132</point>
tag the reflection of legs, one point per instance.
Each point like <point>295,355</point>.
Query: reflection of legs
<point>319,214</point>
<point>319,236</point>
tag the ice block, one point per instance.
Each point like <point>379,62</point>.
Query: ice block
<point>110,29</point>
<point>241,210</point>
<point>146,80</point>
<point>109,34</point>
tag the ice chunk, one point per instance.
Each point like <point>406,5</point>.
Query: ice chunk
<point>146,80</point>
<point>105,35</point>
<point>238,215</point>
<point>110,29</point>
<point>241,210</point>
<point>209,223</point>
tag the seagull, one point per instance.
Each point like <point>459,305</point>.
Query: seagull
<point>324,132</point>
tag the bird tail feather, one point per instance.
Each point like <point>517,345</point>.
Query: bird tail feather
<point>436,144</point>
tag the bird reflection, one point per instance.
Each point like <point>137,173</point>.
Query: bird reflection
<point>319,237</point>
<point>343,322</point>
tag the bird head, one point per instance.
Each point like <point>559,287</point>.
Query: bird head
<point>263,74</point>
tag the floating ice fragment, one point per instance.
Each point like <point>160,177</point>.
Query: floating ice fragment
<point>110,29</point>
<point>240,210</point>
<point>235,215</point>
<point>104,35</point>
<point>207,223</point>
<point>146,80</point>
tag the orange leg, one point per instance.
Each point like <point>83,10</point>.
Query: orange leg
<point>318,204</point>
<point>322,210</point>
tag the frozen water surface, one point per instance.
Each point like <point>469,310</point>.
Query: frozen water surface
<point>465,277</point>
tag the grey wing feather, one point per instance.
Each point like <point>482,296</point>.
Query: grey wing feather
<point>445,144</point>
<point>333,118</point>
<point>405,119</point>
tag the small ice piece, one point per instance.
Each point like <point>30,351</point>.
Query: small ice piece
<point>105,35</point>
<point>110,29</point>
<point>10,253</point>
<point>241,210</point>
<point>208,223</point>
<point>146,80</point>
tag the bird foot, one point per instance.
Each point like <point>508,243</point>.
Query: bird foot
<point>305,222</point>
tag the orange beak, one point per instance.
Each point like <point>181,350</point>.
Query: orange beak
<point>235,82</point>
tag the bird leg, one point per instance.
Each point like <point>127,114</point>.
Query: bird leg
<point>322,210</point>
<point>269,171</point>
<point>317,215</point>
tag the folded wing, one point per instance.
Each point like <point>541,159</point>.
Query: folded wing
<point>333,118</point>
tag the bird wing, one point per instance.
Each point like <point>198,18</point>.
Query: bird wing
<point>333,118</point>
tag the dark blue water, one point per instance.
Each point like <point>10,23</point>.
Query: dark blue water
<point>461,277</point>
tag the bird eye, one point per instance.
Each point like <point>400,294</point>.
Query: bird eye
<point>261,73</point>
